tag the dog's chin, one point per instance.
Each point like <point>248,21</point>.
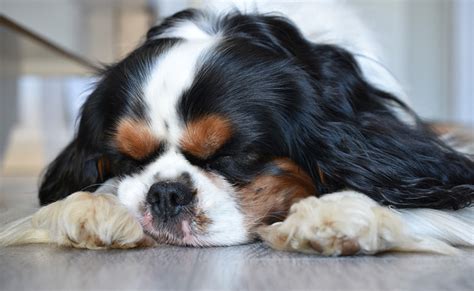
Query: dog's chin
<point>178,230</point>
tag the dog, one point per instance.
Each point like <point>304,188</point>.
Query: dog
<point>224,128</point>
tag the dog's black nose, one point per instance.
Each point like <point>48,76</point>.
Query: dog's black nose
<point>168,198</point>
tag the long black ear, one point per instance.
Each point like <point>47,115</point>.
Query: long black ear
<point>362,144</point>
<point>76,168</point>
<point>82,164</point>
<point>354,138</point>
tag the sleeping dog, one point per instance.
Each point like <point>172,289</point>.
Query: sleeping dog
<point>224,128</point>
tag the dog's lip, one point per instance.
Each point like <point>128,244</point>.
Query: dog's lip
<point>188,236</point>
<point>181,234</point>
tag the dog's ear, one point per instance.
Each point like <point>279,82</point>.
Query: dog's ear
<point>364,145</point>
<point>357,140</point>
<point>76,168</point>
<point>82,165</point>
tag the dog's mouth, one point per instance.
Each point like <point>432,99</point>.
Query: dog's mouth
<point>185,229</point>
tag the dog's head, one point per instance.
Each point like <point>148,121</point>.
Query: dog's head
<point>216,125</point>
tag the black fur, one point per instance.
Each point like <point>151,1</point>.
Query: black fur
<point>286,97</point>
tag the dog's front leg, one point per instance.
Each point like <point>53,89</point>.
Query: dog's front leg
<point>82,220</point>
<point>346,223</point>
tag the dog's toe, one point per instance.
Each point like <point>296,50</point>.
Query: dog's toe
<point>340,224</point>
<point>92,221</point>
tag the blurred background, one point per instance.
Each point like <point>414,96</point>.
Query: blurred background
<point>50,49</point>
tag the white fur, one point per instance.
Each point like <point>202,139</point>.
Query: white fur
<point>185,30</point>
<point>350,223</point>
<point>173,73</point>
<point>81,220</point>
<point>453,227</point>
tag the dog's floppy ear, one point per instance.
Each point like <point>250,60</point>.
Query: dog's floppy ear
<point>364,145</point>
<point>76,168</point>
<point>82,164</point>
<point>356,140</point>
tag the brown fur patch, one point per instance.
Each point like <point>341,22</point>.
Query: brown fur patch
<point>205,136</point>
<point>135,139</point>
<point>145,242</point>
<point>350,247</point>
<point>202,222</point>
<point>321,176</point>
<point>269,197</point>
<point>97,242</point>
<point>103,167</point>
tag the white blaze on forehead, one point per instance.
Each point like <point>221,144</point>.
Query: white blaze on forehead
<point>186,30</point>
<point>173,73</point>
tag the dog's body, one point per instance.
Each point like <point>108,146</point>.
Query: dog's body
<point>217,125</point>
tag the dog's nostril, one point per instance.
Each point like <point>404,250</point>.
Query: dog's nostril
<point>168,198</point>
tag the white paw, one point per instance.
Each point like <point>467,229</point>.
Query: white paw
<point>343,223</point>
<point>92,221</point>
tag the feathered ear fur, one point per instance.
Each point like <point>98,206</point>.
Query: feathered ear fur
<point>365,146</point>
<point>359,142</point>
<point>76,168</point>
<point>351,134</point>
<point>82,164</point>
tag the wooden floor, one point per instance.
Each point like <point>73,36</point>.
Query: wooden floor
<point>250,267</point>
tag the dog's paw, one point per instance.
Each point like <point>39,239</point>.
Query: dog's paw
<point>343,223</point>
<point>92,221</point>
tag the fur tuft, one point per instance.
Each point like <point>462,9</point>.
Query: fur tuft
<point>82,220</point>
<point>453,227</point>
<point>21,232</point>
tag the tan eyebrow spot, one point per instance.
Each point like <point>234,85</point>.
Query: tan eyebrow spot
<point>205,136</point>
<point>135,138</point>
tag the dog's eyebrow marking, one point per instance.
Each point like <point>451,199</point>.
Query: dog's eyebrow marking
<point>135,138</point>
<point>204,136</point>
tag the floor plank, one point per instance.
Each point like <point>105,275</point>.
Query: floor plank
<point>250,267</point>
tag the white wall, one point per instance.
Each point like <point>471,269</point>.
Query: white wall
<point>463,73</point>
<point>100,30</point>
<point>56,20</point>
<point>415,36</point>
